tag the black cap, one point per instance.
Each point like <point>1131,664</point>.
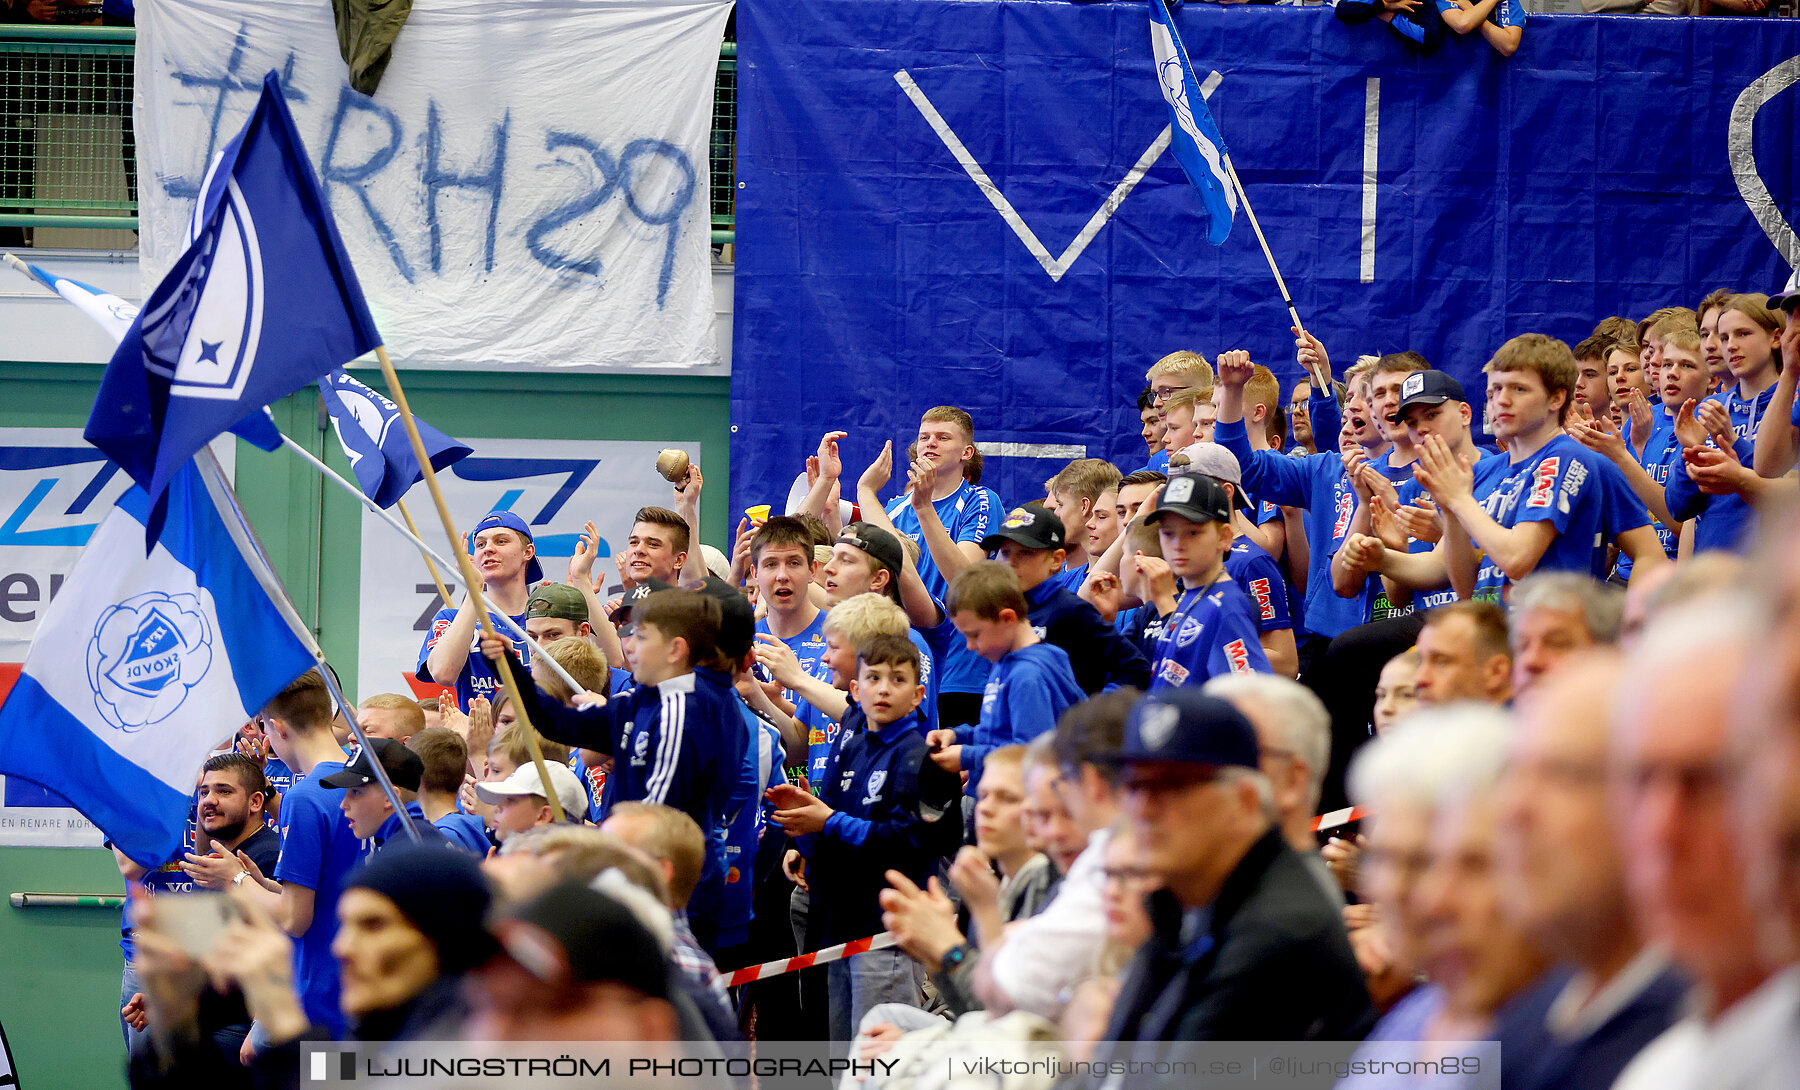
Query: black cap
<point>403,766</point>
<point>443,893</point>
<point>636,595</point>
<point>884,547</point>
<point>573,933</point>
<point>1032,526</point>
<point>1182,724</point>
<point>737,617</point>
<point>1426,388</point>
<point>1194,496</point>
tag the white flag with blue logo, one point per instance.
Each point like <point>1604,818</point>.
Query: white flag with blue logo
<point>141,665</point>
<point>110,312</point>
<point>374,438</point>
<point>1196,141</point>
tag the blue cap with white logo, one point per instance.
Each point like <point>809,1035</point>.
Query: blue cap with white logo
<point>534,573</point>
<point>1185,726</point>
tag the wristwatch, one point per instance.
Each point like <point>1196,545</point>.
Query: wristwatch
<point>238,878</point>
<point>953,957</point>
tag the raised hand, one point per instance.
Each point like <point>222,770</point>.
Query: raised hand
<point>1445,475</point>
<point>1420,521</point>
<point>1386,526</point>
<point>1105,593</point>
<point>880,471</point>
<point>1362,554</point>
<point>1599,436</point>
<point>740,552</point>
<point>1308,352</point>
<point>1158,577</point>
<point>831,464</point>
<point>1637,415</point>
<point>1689,432</point>
<point>1234,367</point>
<point>779,659</point>
<point>581,563</point>
<point>1717,421</point>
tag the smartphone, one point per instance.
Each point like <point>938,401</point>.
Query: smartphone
<point>194,920</point>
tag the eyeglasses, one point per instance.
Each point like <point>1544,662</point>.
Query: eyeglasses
<point>1164,393</point>
<point>1126,876</point>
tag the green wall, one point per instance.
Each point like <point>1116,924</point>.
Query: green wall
<point>59,968</point>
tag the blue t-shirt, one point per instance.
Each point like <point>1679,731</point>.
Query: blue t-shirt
<point>465,831</point>
<point>808,647</point>
<point>1721,522</point>
<point>1212,631</point>
<point>1572,488</point>
<point>1661,452</point>
<point>969,514</point>
<point>743,822</point>
<point>317,853</point>
<point>1506,14</point>
<point>1259,577</point>
<point>280,778</point>
<point>1028,691</point>
<point>1070,579</point>
<point>1489,471</point>
<point>934,644</point>
<point>1317,483</point>
<point>1158,463</point>
<point>477,677</point>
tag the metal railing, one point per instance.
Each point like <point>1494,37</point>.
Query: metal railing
<point>68,152</point>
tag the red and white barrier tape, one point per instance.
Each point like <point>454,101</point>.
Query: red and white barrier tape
<point>806,961</point>
<point>1339,817</point>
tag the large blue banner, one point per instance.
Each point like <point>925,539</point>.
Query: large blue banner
<point>1442,204</point>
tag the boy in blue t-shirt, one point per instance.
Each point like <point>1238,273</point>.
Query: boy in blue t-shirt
<point>1558,503</point>
<point>1031,684</point>
<point>781,559</point>
<point>947,515</point>
<point>507,559</point>
<point>1213,629</point>
<point>882,806</point>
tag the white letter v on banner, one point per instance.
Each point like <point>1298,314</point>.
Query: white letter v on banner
<point>1055,266</point>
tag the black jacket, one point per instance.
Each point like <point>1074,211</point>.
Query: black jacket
<point>1269,961</point>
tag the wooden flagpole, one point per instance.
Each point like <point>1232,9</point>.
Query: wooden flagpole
<point>470,577</point>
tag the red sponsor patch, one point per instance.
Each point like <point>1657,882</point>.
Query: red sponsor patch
<point>1265,604</point>
<point>1543,482</point>
<point>1238,656</point>
<point>1345,508</point>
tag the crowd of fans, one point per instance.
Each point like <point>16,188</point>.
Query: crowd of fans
<point>1073,754</point>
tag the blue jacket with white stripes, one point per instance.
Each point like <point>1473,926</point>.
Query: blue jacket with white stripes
<point>680,743</point>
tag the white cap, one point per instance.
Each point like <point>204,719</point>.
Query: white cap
<point>1214,461</point>
<point>524,781</point>
<point>716,564</point>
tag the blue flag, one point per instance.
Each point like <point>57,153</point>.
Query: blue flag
<point>1196,141</point>
<point>374,439</point>
<point>262,302</point>
<point>141,665</point>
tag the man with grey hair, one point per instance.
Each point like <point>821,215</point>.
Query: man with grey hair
<point>1293,737</point>
<point>1686,866</point>
<point>1239,918</point>
<point>1555,614</point>
<point>1564,878</point>
<point>1431,781</point>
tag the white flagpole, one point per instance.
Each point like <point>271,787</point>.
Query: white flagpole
<point>237,524</point>
<point>428,552</point>
<point>1324,381</point>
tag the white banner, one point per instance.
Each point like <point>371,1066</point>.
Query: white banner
<point>54,490</point>
<point>527,188</point>
<point>554,485</point>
